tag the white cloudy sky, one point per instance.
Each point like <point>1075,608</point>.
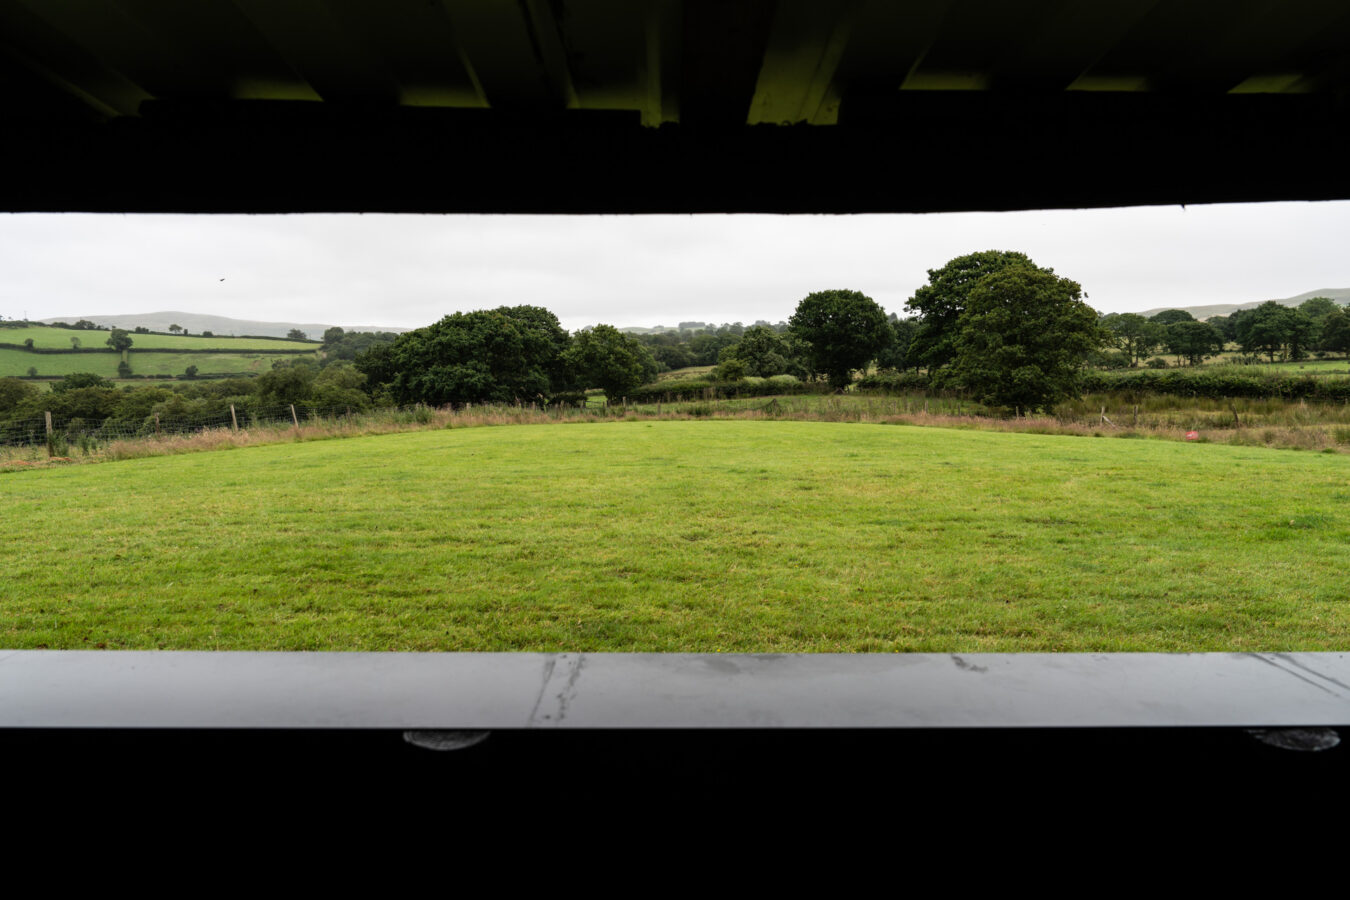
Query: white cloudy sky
<point>644,270</point>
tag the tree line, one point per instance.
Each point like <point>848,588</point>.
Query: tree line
<point>1277,331</point>
<point>993,324</point>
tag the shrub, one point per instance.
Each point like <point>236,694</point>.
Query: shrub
<point>1156,362</point>
<point>568,398</point>
<point>894,383</point>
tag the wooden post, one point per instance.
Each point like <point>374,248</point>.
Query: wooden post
<point>156,424</point>
<point>50,451</point>
<point>294,418</point>
<point>233,418</point>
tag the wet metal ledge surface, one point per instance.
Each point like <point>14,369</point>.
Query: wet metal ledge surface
<point>167,689</point>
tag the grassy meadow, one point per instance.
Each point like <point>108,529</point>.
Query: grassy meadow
<point>232,355</point>
<point>17,362</point>
<point>46,337</point>
<point>666,535</point>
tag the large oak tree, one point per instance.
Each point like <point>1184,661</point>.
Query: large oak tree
<point>845,330</point>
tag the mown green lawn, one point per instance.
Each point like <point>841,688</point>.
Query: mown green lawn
<point>45,336</point>
<point>680,535</point>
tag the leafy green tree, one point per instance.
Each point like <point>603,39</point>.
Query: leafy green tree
<point>1336,332</point>
<point>74,342</point>
<point>1266,329</point>
<point>606,358</point>
<point>28,342</point>
<point>295,334</point>
<point>672,356</point>
<point>1171,317</point>
<point>175,328</point>
<point>124,369</point>
<point>119,340</point>
<point>1023,338</point>
<point>763,352</point>
<point>190,372</point>
<point>1193,341</point>
<point>940,303</point>
<point>1318,308</point>
<point>289,381</point>
<point>353,343</point>
<point>707,348</point>
<point>1134,334</point>
<point>845,330</point>
<point>897,355</point>
<point>81,380</point>
<point>1304,332</point>
<point>1226,326</point>
<point>13,392</point>
<point>499,355</point>
<point>730,369</point>
<point>340,385</point>
<point>332,335</point>
<point>85,325</point>
<point>32,371</point>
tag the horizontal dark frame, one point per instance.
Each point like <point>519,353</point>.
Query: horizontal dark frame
<point>911,152</point>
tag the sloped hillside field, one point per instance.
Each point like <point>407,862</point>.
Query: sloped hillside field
<point>691,536</point>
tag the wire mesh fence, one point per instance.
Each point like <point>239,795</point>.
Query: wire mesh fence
<point>76,431</point>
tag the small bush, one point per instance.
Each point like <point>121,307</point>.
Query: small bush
<point>894,383</point>
<point>1156,362</point>
<point>568,398</point>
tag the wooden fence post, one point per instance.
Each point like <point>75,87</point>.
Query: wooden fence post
<point>294,418</point>
<point>156,424</point>
<point>234,420</point>
<point>50,451</point>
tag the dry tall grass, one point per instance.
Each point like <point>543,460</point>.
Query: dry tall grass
<point>1288,426</point>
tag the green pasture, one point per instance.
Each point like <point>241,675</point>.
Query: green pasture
<point>1340,365</point>
<point>46,337</point>
<point>685,536</point>
<point>17,362</point>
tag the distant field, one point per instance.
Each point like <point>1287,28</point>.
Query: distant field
<point>17,362</point>
<point>59,339</point>
<point>685,535</point>
<point>687,372</point>
<point>1337,366</point>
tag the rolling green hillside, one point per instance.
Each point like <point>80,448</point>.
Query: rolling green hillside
<point>18,362</point>
<point>150,354</point>
<point>46,337</point>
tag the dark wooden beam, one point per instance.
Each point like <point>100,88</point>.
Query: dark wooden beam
<point>723,51</point>
<point>926,153</point>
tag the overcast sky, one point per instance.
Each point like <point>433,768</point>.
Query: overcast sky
<point>408,271</point>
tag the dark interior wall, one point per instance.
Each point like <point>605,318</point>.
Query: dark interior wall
<point>916,152</point>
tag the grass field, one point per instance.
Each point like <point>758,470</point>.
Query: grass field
<point>18,362</point>
<point>1338,365</point>
<point>683,535</point>
<point>59,339</point>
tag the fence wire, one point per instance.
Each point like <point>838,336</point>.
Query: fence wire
<point>84,432</point>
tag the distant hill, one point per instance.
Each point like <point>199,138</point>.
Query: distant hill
<point>222,325</point>
<point>1340,295</point>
